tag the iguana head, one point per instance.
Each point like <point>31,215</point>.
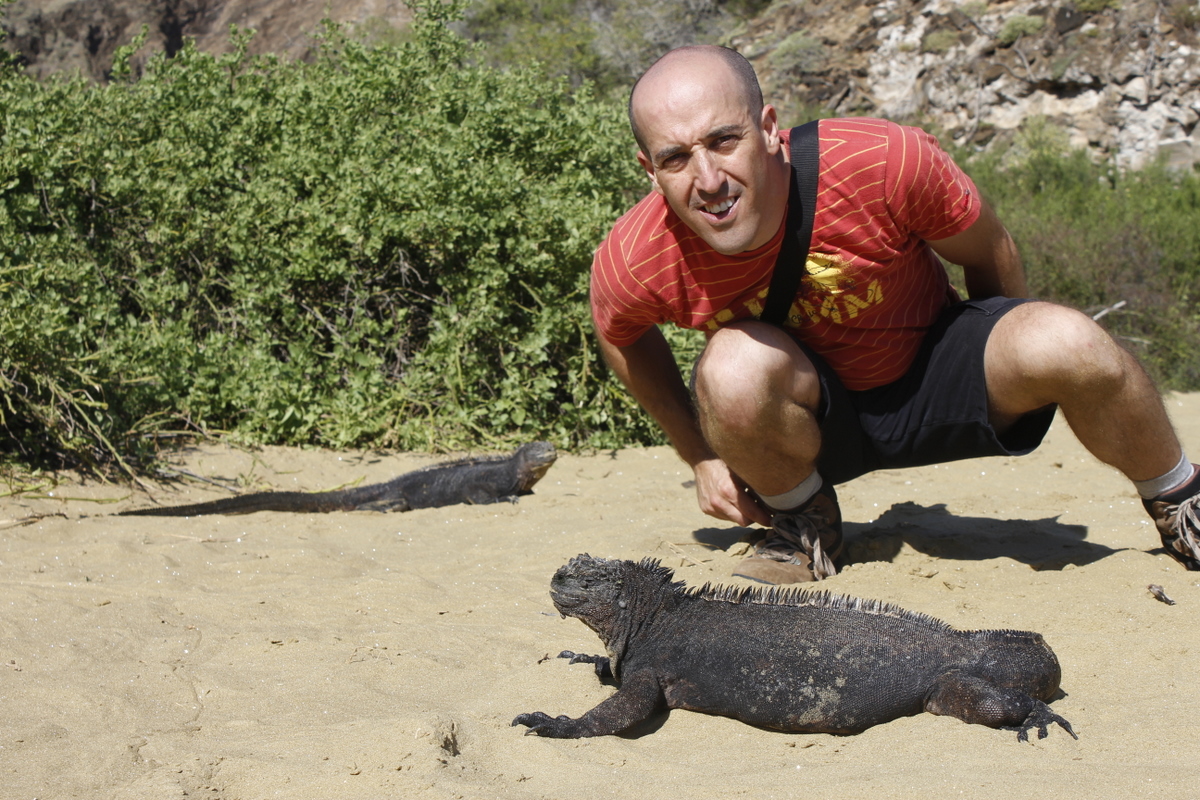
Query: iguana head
<point>533,460</point>
<point>612,597</point>
<point>589,589</point>
<point>1018,659</point>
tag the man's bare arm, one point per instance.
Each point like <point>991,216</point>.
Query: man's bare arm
<point>988,256</point>
<point>647,368</point>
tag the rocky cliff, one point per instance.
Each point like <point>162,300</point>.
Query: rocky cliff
<point>69,36</point>
<point>1121,77</point>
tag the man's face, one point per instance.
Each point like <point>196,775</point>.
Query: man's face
<point>717,163</point>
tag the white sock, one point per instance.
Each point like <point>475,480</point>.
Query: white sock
<point>795,497</point>
<point>1156,487</point>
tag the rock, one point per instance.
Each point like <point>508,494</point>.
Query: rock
<point>1117,81</point>
<point>1137,90</point>
<point>1067,19</point>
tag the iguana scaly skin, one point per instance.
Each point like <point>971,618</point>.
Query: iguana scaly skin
<point>788,659</point>
<point>470,480</point>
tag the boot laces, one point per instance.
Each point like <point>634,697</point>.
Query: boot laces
<point>1184,523</point>
<point>799,531</point>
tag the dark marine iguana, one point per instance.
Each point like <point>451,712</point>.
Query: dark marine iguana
<point>787,659</point>
<point>487,479</point>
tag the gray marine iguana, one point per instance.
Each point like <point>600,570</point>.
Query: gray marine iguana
<point>486,479</point>
<point>787,659</point>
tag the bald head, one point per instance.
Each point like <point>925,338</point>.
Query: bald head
<point>709,61</point>
<point>711,148</point>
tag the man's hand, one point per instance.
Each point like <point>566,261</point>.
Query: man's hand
<point>723,495</point>
<point>648,370</point>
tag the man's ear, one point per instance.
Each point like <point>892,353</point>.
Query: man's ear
<point>770,128</point>
<point>648,165</point>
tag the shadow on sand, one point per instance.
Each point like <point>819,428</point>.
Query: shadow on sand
<point>1043,544</point>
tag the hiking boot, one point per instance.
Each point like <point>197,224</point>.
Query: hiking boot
<point>1179,526</point>
<point>803,545</point>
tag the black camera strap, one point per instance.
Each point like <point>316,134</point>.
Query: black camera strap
<point>802,201</point>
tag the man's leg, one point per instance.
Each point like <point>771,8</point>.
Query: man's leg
<point>758,397</point>
<point>1040,353</point>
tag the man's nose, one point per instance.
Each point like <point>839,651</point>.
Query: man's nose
<point>708,175</point>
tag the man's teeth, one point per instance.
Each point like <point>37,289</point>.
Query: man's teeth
<point>719,207</point>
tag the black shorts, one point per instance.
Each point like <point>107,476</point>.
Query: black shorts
<point>937,412</point>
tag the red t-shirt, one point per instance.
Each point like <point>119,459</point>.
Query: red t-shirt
<point>872,287</point>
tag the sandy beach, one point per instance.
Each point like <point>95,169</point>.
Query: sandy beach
<point>369,655</point>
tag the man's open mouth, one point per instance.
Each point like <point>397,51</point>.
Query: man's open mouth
<point>721,209</point>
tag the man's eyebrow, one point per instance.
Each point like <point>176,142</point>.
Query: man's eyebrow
<point>716,133</point>
<point>724,130</point>
<point>667,152</point>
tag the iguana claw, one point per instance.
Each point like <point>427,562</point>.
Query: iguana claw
<point>1041,717</point>
<point>602,664</point>
<point>541,724</point>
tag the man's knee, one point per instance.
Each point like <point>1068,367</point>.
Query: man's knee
<point>1045,342</point>
<point>746,370</point>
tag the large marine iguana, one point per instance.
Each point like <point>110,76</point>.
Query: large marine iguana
<point>788,659</point>
<point>487,479</point>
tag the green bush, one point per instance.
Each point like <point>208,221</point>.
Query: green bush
<point>939,41</point>
<point>388,246</point>
<point>1019,25</point>
<point>1095,6</point>
<point>607,42</point>
<point>798,53</point>
<point>1185,14</point>
<point>557,33</point>
<point>1092,236</point>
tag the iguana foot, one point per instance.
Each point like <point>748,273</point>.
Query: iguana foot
<point>540,724</point>
<point>602,664</point>
<point>1041,717</point>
